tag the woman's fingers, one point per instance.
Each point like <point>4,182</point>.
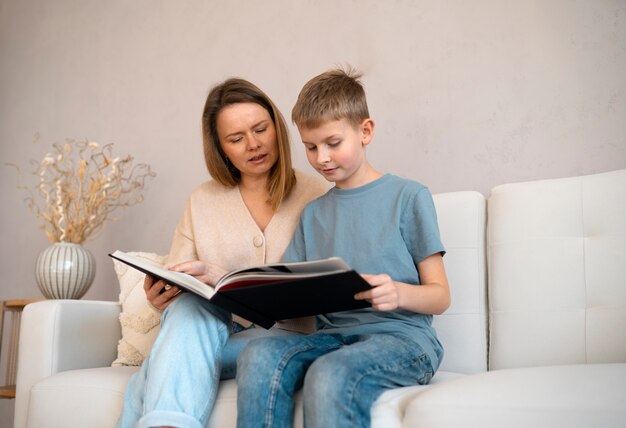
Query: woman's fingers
<point>159,293</point>
<point>164,299</point>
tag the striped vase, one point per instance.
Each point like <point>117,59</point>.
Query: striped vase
<point>65,271</point>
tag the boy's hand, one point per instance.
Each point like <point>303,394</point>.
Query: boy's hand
<point>432,297</point>
<point>384,296</point>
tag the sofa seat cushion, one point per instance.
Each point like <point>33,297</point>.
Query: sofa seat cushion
<point>79,398</point>
<point>585,395</point>
<point>388,411</point>
<point>94,397</point>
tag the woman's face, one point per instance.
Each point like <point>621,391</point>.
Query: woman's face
<point>248,138</point>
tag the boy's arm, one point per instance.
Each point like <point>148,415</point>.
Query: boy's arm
<point>296,251</point>
<point>431,297</point>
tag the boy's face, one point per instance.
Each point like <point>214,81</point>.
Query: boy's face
<point>336,149</point>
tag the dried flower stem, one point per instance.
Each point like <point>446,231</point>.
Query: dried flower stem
<point>82,185</point>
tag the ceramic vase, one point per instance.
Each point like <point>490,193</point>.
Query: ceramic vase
<point>65,271</point>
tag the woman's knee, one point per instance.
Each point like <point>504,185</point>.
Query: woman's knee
<point>189,307</point>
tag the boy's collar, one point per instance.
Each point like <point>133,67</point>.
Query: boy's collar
<point>363,188</point>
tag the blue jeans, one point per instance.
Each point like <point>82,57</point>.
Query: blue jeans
<point>341,376</point>
<point>178,381</point>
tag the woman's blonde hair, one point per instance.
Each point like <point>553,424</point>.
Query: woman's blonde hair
<point>333,95</point>
<point>234,91</point>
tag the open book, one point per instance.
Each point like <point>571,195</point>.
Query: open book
<point>268,293</point>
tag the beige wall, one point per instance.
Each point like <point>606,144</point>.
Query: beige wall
<point>465,95</point>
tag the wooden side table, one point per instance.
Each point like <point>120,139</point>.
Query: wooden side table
<point>15,307</point>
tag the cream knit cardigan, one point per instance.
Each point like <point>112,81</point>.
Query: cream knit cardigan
<point>217,227</point>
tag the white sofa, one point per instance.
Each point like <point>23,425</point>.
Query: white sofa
<point>535,337</point>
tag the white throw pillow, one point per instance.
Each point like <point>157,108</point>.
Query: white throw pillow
<point>139,320</point>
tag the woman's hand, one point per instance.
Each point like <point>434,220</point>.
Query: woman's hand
<point>205,272</point>
<point>158,293</point>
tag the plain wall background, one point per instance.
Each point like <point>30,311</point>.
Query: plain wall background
<point>465,95</point>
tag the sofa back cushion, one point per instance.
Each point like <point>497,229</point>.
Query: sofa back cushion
<point>462,329</point>
<point>557,271</point>
<point>140,322</point>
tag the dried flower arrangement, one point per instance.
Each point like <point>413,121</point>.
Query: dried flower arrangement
<point>81,185</point>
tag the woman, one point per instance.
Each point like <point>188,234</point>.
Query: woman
<point>244,216</point>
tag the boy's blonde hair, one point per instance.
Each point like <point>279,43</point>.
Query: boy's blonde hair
<point>334,95</point>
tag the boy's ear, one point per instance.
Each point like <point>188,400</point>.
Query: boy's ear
<point>367,131</point>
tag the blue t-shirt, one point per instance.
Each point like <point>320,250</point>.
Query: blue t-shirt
<point>386,226</point>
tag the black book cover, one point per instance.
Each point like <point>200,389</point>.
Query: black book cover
<point>266,303</point>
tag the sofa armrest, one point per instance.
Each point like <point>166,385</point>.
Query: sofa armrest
<point>60,335</point>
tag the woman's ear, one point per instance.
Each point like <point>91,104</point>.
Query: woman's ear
<point>367,131</point>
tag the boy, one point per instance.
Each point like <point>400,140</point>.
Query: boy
<point>379,224</point>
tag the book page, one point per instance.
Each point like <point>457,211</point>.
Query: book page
<point>179,279</point>
<point>313,267</point>
<point>266,277</point>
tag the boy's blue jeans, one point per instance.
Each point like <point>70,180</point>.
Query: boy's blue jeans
<point>177,383</point>
<point>341,375</point>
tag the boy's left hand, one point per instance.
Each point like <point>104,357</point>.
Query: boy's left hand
<point>384,296</point>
